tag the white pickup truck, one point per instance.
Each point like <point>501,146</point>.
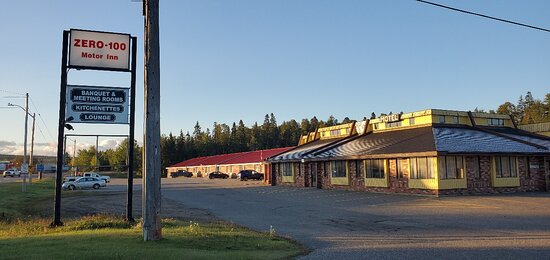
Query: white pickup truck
<point>107,179</point>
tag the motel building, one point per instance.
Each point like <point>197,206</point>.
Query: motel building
<point>434,152</point>
<point>227,163</point>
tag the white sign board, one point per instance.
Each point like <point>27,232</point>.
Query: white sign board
<point>97,50</point>
<point>24,168</point>
<point>97,105</point>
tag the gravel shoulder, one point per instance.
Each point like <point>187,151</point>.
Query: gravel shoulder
<point>81,203</point>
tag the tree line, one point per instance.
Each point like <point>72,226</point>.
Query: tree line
<point>527,110</point>
<point>237,137</point>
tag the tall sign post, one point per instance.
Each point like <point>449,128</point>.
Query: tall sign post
<point>93,50</point>
<point>151,181</point>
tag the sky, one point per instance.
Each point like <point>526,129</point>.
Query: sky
<point>223,61</point>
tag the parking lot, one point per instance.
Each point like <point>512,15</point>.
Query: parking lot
<point>360,225</point>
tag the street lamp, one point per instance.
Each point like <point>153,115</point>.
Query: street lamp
<point>25,166</point>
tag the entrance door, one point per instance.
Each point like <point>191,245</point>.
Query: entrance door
<point>397,175</point>
<point>313,175</point>
<point>273,175</point>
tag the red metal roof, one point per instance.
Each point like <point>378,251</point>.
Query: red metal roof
<point>256,156</point>
<point>232,158</point>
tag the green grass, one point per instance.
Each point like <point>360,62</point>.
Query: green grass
<point>15,204</point>
<point>24,236</point>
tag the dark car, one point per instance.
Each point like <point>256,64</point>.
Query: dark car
<point>250,175</point>
<point>182,173</point>
<point>221,175</point>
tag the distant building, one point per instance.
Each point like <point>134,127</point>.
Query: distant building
<point>540,128</point>
<point>227,163</point>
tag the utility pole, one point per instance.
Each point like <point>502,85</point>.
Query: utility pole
<point>25,165</point>
<point>151,182</point>
<point>32,146</point>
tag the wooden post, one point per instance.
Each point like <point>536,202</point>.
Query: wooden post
<point>152,168</point>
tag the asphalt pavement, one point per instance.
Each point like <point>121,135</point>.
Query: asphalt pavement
<point>361,225</point>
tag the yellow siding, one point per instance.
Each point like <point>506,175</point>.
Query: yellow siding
<point>423,120</point>
<point>376,182</point>
<point>430,184</point>
<point>506,182</point>
<point>339,180</point>
<point>288,179</point>
<point>452,184</point>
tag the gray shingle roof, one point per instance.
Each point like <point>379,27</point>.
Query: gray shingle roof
<point>471,140</point>
<point>441,139</point>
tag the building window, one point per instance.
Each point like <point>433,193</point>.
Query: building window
<point>376,126</point>
<point>338,169</point>
<point>335,132</point>
<point>495,121</point>
<point>451,167</point>
<point>393,124</point>
<point>400,169</point>
<point>411,121</point>
<point>506,167</point>
<point>375,168</point>
<point>422,168</point>
<point>442,119</point>
<point>287,169</point>
<point>455,119</point>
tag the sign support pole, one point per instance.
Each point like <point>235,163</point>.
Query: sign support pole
<point>60,133</point>
<point>129,216</point>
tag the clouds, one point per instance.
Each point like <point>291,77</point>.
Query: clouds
<point>7,143</point>
<point>13,148</point>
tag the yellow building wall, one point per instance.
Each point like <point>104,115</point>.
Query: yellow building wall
<point>422,120</point>
<point>339,180</point>
<point>288,179</point>
<point>506,182</point>
<point>453,184</point>
<point>377,182</point>
<point>428,184</point>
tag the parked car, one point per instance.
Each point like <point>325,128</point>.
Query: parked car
<point>250,175</point>
<point>221,175</point>
<point>11,173</point>
<point>84,183</point>
<point>70,178</point>
<point>182,173</point>
<point>106,179</point>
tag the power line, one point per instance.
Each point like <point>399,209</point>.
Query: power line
<point>485,16</point>
<point>42,119</point>
<point>11,92</point>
